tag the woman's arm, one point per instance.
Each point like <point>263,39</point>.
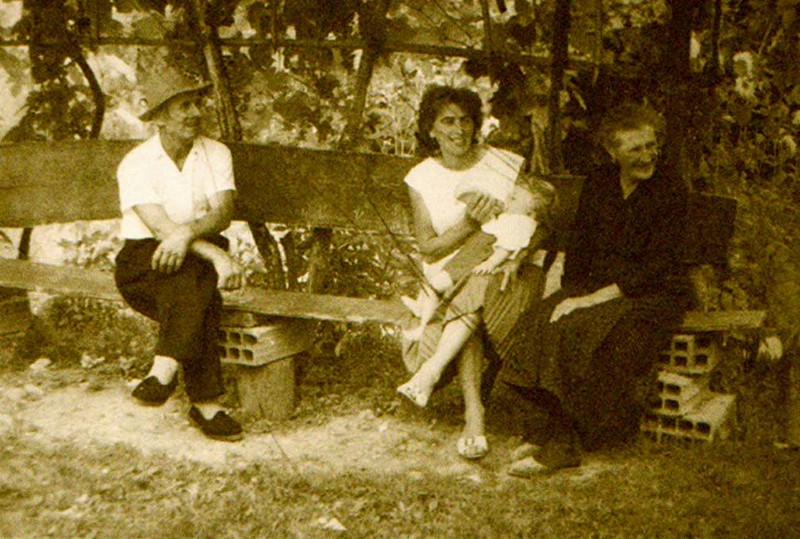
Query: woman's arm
<point>432,246</point>
<point>597,297</point>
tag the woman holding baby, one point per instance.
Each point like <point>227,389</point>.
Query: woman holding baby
<point>477,220</point>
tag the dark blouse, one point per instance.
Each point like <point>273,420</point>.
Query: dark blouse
<point>635,243</point>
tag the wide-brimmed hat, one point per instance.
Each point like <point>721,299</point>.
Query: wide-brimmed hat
<point>161,86</point>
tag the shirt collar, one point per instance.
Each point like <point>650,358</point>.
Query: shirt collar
<point>158,151</point>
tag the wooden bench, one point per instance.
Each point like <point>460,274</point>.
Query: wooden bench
<point>44,183</point>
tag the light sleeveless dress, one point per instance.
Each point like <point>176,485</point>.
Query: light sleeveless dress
<point>480,294</point>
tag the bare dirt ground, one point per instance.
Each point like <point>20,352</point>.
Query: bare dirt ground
<point>47,408</point>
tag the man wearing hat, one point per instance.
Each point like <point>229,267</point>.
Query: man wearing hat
<point>176,193</point>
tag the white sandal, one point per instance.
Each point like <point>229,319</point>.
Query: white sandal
<point>526,449</point>
<point>472,447</point>
<point>413,393</point>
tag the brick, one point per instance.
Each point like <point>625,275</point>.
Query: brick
<point>712,420</point>
<point>259,345</point>
<point>678,394</point>
<point>694,354</point>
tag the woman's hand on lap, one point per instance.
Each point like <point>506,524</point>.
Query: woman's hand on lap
<point>567,306</point>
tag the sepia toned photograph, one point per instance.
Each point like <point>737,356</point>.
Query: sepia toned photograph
<point>400,269</point>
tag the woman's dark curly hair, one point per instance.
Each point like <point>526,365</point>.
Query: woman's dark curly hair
<point>434,99</point>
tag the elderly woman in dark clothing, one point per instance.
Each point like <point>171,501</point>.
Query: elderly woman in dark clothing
<point>577,371</point>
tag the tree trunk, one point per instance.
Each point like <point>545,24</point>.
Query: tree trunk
<point>559,53</point>
<point>374,27</point>
<point>226,113</point>
<point>231,130</point>
<point>677,80</point>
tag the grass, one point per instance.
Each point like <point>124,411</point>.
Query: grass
<point>738,488</point>
<point>645,492</point>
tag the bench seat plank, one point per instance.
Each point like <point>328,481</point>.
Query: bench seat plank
<point>74,281</point>
<point>696,321</point>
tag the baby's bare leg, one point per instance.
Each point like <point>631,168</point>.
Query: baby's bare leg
<point>498,256</point>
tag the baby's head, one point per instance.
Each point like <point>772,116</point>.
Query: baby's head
<point>530,196</point>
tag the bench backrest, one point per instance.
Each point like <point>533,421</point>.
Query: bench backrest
<point>47,182</point>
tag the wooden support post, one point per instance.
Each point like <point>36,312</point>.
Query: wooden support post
<point>559,53</point>
<point>226,113</point>
<point>15,312</point>
<point>15,309</point>
<point>318,259</point>
<point>268,249</point>
<point>793,405</point>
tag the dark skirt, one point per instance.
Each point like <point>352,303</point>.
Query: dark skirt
<point>595,367</point>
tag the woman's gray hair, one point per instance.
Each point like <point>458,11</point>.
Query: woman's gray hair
<point>627,117</point>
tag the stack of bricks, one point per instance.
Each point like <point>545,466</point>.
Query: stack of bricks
<point>687,409</point>
<point>263,352</point>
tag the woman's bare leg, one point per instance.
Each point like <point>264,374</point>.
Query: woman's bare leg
<point>454,336</point>
<point>470,370</point>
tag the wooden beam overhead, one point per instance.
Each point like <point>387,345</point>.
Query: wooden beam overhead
<point>390,46</point>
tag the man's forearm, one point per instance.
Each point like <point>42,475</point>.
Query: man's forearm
<point>214,222</point>
<point>206,250</point>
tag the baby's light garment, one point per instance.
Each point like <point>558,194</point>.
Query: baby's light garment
<point>513,231</point>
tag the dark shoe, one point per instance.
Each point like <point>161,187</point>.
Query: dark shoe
<point>533,461</point>
<point>221,427</point>
<point>151,392</point>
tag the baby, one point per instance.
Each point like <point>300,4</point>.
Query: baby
<point>501,238</point>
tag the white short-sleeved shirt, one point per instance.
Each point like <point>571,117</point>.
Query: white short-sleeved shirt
<point>438,185</point>
<point>147,175</point>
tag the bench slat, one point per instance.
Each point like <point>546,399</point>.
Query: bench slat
<point>81,282</point>
<point>65,181</point>
<point>47,182</point>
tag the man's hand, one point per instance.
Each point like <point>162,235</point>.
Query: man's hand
<point>230,275</point>
<point>481,207</point>
<point>171,252</point>
<point>567,306</point>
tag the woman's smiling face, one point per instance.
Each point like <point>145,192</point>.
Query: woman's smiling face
<point>636,151</point>
<point>453,130</point>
